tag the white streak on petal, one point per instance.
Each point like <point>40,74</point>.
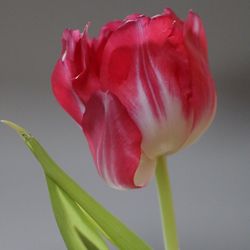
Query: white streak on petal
<point>108,166</point>
<point>64,55</point>
<point>79,102</point>
<point>167,134</point>
<point>164,130</point>
<point>196,26</point>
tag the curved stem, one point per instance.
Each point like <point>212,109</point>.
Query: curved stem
<point>166,205</point>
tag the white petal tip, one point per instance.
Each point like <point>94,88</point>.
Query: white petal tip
<point>145,171</point>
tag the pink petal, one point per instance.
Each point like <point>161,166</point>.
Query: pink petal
<point>194,33</point>
<point>85,81</point>
<point>67,71</point>
<point>114,140</point>
<point>72,79</point>
<point>64,93</point>
<point>142,61</point>
<point>71,51</point>
<point>100,42</point>
<point>158,69</point>
<point>204,100</point>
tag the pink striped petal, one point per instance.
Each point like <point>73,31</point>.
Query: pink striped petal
<point>114,140</point>
<point>141,64</point>
<point>195,36</point>
<point>66,71</point>
<point>204,100</point>
<point>84,77</point>
<point>64,93</point>
<point>158,69</point>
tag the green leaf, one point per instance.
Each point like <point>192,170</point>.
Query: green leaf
<point>94,217</point>
<point>77,229</point>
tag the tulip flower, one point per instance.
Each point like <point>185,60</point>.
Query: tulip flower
<point>140,90</point>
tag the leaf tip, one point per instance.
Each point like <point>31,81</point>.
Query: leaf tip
<point>20,130</point>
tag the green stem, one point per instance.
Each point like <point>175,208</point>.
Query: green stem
<point>166,206</point>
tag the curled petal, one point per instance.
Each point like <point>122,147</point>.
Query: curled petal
<point>194,33</point>
<point>73,45</point>
<point>62,87</point>
<point>114,140</point>
<point>69,70</point>
<point>133,17</point>
<point>85,81</point>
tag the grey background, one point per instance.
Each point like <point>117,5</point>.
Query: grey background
<point>210,179</point>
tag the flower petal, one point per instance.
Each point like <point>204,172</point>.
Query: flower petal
<point>85,80</point>
<point>68,70</point>
<point>194,33</point>
<point>64,93</point>
<point>145,171</point>
<point>100,42</point>
<point>114,140</point>
<point>142,64</point>
<point>203,100</point>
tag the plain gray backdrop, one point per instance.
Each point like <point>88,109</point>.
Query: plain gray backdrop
<point>210,179</point>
